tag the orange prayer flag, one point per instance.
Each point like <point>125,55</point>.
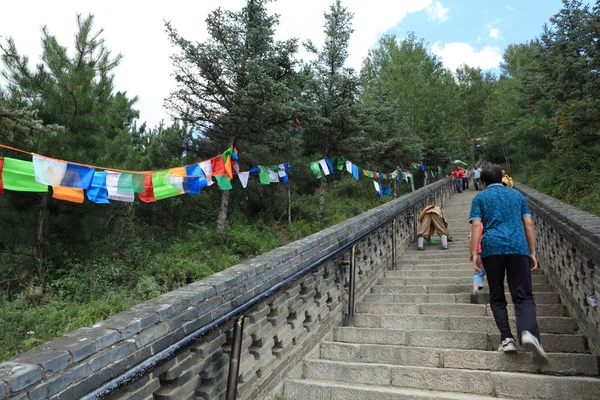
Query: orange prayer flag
<point>67,194</point>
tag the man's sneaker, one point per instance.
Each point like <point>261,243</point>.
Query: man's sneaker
<point>508,346</point>
<point>474,297</point>
<point>532,344</point>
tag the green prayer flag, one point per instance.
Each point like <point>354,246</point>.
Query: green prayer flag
<point>223,182</point>
<point>316,169</point>
<point>131,183</point>
<point>162,188</point>
<point>341,163</point>
<point>19,175</point>
<point>370,174</point>
<point>265,178</point>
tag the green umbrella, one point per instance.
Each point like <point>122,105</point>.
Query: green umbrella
<point>456,162</point>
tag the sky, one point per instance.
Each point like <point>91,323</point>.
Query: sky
<point>471,32</point>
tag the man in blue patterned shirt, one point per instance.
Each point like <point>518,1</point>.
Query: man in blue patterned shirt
<point>507,247</point>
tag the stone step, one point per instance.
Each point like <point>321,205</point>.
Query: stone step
<point>480,360</point>
<point>554,343</point>
<point>412,383</point>
<point>484,298</point>
<point>403,265</point>
<point>327,390</point>
<point>466,273</point>
<point>475,324</point>
<point>435,289</point>
<point>439,255</point>
<point>391,280</point>
<point>542,310</point>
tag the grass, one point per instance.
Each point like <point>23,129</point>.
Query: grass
<point>83,292</point>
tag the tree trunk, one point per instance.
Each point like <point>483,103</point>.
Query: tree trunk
<point>289,191</point>
<point>412,183</point>
<point>41,233</point>
<point>425,179</point>
<point>395,188</point>
<point>223,212</point>
<point>322,190</point>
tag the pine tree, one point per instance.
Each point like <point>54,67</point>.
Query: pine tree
<point>332,125</point>
<point>237,88</point>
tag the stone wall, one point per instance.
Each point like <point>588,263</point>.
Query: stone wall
<point>568,247</point>
<point>278,332</point>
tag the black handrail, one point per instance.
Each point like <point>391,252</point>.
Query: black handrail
<point>170,352</point>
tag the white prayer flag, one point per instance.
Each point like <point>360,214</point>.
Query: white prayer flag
<point>112,184</point>
<point>281,170</point>
<point>324,166</point>
<point>206,167</point>
<point>47,171</point>
<point>376,186</point>
<point>273,176</point>
<point>244,178</point>
<point>348,166</point>
<point>176,182</point>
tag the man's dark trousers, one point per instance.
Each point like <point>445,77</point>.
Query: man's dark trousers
<point>517,269</point>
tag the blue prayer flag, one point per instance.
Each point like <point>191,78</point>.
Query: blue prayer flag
<point>196,181</point>
<point>355,171</point>
<point>254,170</point>
<point>329,164</point>
<point>78,176</point>
<point>98,193</point>
<point>387,191</point>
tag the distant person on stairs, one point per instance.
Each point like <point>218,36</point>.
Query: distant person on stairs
<point>432,220</point>
<point>507,248</point>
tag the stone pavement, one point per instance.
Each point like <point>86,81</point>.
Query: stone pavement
<point>417,337</point>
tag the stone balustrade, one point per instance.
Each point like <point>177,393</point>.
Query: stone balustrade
<point>278,332</point>
<point>568,249</point>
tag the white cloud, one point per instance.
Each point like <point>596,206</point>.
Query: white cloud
<point>137,31</point>
<point>495,33</point>
<point>436,12</point>
<point>456,54</point>
<point>509,8</point>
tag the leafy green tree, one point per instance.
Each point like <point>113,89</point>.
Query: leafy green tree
<point>407,75</point>
<point>239,87</point>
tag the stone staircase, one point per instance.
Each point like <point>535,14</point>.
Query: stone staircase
<point>417,337</point>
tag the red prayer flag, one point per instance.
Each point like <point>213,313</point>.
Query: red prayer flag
<point>148,194</point>
<point>218,166</point>
<point>1,183</point>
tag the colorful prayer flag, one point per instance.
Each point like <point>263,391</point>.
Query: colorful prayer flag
<point>273,177</point>
<point>131,183</point>
<point>314,166</point>
<point>282,173</point>
<point>377,187</point>
<point>264,175</point>
<point>47,171</point>
<point>355,171</point>
<point>67,194</point>
<point>340,163</point>
<point>206,167</point>
<point>19,175</point>
<point>162,188</point>
<point>1,183</point>
<point>227,155</point>
<point>98,192</point>
<point>195,180</point>
<point>324,166</point>
<point>329,164</point>
<point>148,195</point>
<point>348,166</point>
<point>387,191</point>
<point>223,182</point>
<point>78,176</point>
<point>217,166</point>
<point>112,185</point>
<point>244,178</point>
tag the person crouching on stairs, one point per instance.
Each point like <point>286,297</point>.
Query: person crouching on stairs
<point>432,220</point>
